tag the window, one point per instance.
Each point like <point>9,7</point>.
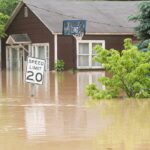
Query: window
<point>85,54</point>
<point>41,51</point>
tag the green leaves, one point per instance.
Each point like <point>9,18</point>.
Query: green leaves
<point>143,28</point>
<point>59,65</point>
<point>3,19</point>
<point>6,8</point>
<point>130,71</point>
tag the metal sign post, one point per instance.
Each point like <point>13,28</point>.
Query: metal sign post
<point>33,90</point>
<point>35,72</point>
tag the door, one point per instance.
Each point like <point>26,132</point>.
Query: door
<point>16,58</point>
<point>25,55</point>
<point>13,58</point>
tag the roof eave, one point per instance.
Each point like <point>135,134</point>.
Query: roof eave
<point>123,33</point>
<point>129,33</point>
<point>44,23</point>
<point>13,15</point>
<point>16,11</point>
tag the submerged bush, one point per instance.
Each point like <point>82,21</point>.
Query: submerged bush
<point>59,65</point>
<point>130,70</point>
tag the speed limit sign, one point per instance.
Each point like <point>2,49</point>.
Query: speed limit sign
<point>35,70</point>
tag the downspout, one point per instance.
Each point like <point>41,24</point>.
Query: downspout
<point>55,48</point>
<point>55,61</point>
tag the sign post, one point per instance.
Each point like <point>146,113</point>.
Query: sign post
<point>35,72</point>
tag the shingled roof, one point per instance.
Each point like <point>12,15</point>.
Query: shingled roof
<point>103,17</point>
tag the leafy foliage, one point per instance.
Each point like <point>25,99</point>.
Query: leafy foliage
<point>3,19</point>
<point>109,0</point>
<point>6,8</point>
<point>129,68</point>
<point>143,29</point>
<point>59,65</point>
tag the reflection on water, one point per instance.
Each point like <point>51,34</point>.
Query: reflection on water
<point>85,78</point>
<point>61,123</point>
<point>35,121</point>
<point>130,125</point>
<point>1,83</point>
<point>58,88</point>
<point>57,117</point>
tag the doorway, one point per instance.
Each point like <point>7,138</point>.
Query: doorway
<point>16,58</point>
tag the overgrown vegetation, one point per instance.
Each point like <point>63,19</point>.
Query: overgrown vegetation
<point>3,19</point>
<point>130,70</point>
<point>59,65</point>
<point>143,28</point>
<point>6,8</point>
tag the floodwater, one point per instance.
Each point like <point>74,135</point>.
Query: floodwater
<point>59,116</point>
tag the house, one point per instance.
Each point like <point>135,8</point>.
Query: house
<point>35,29</point>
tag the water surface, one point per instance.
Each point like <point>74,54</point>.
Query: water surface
<point>58,117</point>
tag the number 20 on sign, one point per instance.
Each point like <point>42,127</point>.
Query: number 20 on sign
<point>35,70</point>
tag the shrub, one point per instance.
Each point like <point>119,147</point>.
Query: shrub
<point>129,69</point>
<point>59,65</point>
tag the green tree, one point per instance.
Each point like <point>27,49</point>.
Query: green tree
<point>129,69</point>
<point>143,28</point>
<point>3,19</point>
<point>6,8</point>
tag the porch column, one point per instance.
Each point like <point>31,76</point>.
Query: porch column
<point>55,48</point>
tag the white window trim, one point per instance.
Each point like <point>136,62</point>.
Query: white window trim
<point>40,44</point>
<point>90,42</point>
<point>45,45</point>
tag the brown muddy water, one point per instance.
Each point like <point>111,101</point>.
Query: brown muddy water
<point>59,116</point>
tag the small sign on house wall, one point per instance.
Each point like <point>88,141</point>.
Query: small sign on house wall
<point>35,70</point>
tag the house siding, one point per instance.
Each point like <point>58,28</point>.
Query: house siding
<point>36,30</point>
<point>67,46</point>
<point>111,41</point>
<point>39,33</point>
<point>67,51</point>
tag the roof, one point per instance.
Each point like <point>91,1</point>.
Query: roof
<point>103,17</point>
<point>18,39</point>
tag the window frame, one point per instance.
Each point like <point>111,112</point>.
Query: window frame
<point>89,42</point>
<point>47,52</point>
